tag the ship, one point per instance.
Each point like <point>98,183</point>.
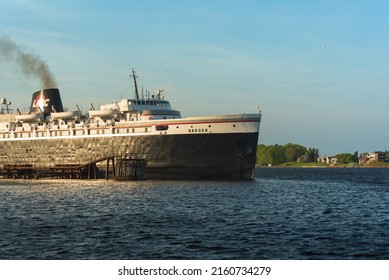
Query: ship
<point>48,139</point>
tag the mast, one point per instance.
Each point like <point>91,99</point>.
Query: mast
<point>136,86</point>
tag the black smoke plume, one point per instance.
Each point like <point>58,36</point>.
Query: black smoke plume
<point>30,63</point>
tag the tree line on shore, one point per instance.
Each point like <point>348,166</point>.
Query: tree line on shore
<point>279,154</point>
<point>272,155</point>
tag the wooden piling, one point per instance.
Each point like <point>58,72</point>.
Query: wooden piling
<point>131,169</point>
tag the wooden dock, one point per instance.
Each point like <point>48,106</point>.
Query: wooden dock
<point>118,169</point>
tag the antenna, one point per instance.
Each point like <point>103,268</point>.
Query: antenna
<point>258,107</point>
<point>136,86</point>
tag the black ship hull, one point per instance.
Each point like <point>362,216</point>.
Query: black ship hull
<point>213,156</point>
<point>180,156</point>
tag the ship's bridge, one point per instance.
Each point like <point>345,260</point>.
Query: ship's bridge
<point>126,105</point>
<point>148,104</point>
<point>148,109</point>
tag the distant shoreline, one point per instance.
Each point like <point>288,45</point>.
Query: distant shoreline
<point>294,165</point>
<point>361,167</point>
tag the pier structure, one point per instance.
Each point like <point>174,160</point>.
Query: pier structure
<point>131,169</point>
<point>123,168</point>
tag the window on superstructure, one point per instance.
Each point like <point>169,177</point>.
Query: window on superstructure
<point>162,127</point>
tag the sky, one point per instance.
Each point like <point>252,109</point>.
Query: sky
<point>318,70</point>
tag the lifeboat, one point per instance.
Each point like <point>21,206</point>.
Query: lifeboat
<point>29,118</point>
<point>64,115</point>
<point>103,114</point>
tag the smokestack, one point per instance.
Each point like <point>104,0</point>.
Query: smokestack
<point>30,64</point>
<point>46,101</point>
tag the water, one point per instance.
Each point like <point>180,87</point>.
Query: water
<point>283,214</point>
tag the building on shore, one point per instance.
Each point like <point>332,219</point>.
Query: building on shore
<point>373,156</point>
<point>328,160</point>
